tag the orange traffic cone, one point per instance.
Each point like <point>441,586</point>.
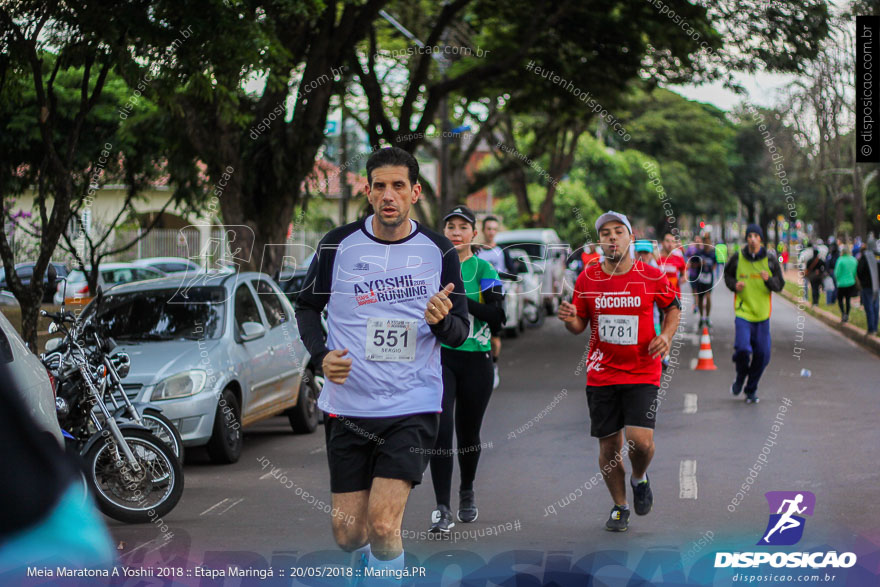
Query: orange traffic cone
<point>704,359</point>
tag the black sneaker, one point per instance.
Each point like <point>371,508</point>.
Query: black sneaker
<point>736,388</point>
<point>441,520</point>
<point>752,398</point>
<point>643,497</point>
<point>618,520</point>
<point>467,509</point>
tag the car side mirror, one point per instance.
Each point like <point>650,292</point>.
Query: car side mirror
<point>252,331</point>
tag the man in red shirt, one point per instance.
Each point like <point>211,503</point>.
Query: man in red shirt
<point>589,255</point>
<point>671,262</point>
<point>616,298</point>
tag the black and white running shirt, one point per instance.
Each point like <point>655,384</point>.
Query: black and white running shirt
<point>376,293</point>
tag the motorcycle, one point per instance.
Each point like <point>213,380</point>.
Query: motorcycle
<point>133,474</point>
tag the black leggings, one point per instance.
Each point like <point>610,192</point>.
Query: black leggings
<point>843,295</point>
<point>815,284</point>
<point>467,387</point>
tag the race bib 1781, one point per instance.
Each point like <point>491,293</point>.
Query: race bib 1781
<point>617,329</point>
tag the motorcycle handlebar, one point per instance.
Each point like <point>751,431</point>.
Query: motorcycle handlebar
<point>59,316</point>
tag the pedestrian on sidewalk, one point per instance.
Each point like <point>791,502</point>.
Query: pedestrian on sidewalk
<point>814,270</point>
<point>829,283</point>
<point>867,272</point>
<point>752,275</point>
<point>845,276</point>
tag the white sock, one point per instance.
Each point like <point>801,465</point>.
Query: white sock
<point>636,480</point>
<point>393,564</point>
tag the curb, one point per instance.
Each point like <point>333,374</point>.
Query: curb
<point>871,343</point>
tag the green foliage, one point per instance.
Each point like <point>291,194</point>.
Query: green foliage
<point>575,212</point>
<point>692,143</point>
<point>617,179</point>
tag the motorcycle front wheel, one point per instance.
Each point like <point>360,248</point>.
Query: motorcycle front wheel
<point>164,429</point>
<point>128,495</point>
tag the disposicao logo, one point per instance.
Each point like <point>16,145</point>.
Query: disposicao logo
<point>786,525</point>
<point>785,528</point>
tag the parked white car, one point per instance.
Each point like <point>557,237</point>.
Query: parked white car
<point>110,274</point>
<point>513,307</point>
<point>525,292</point>
<point>547,254</point>
<point>31,379</point>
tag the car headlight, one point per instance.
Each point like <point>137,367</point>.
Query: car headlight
<point>180,385</point>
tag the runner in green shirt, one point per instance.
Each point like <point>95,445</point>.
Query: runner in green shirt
<point>468,376</point>
<point>752,275</point>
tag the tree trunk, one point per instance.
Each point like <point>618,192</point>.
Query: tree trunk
<point>519,185</point>
<point>547,216</point>
<point>750,212</point>
<point>860,226</point>
<point>30,315</point>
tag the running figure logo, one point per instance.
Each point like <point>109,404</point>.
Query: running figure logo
<point>786,526</point>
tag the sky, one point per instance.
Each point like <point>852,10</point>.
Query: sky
<point>764,89</point>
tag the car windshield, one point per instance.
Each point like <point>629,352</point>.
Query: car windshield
<point>534,250</point>
<point>292,284</point>
<point>76,275</point>
<point>164,314</point>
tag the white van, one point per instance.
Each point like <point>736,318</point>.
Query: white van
<point>547,254</point>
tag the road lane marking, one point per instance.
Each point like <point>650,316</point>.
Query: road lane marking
<point>232,505</point>
<point>315,451</point>
<point>155,549</point>
<point>216,505</point>
<point>687,479</point>
<point>690,403</point>
<point>270,474</point>
<point>693,363</point>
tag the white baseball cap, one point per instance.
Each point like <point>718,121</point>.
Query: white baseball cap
<point>612,215</point>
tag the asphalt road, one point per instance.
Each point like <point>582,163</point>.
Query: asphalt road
<point>538,508</point>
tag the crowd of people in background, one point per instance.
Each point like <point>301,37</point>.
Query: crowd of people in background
<point>843,270</point>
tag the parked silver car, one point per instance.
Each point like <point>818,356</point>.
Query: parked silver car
<point>216,351</point>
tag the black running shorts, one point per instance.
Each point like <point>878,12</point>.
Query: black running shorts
<point>612,407</point>
<point>701,288</point>
<point>359,449</point>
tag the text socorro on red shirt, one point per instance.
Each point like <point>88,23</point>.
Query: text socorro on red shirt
<point>619,309</point>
